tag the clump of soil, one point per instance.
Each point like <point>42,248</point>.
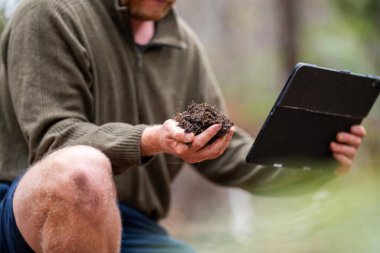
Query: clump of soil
<point>199,117</point>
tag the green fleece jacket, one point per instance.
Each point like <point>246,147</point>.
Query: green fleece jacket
<point>71,74</point>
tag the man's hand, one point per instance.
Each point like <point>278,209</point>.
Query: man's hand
<point>172,139</point>
<point>345,148</point>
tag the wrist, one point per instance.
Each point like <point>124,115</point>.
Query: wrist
<point>150,143</point>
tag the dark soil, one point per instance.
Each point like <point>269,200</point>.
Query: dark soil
<point>199,117</point>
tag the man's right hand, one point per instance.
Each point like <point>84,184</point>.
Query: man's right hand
<point>172,139</point>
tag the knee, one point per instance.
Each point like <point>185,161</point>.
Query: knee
<point>83,158</point>
<point>76,178</point>
<point>73,184</point>
<point>76,161</point>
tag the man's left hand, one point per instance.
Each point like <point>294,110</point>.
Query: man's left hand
<point>346,146</point>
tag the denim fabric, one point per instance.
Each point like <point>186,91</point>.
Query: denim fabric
<point>143,235</point>
<point>11,240</point>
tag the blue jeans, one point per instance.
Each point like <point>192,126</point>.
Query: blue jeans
<point>11,240</point>
<point>143,235</point>
<point>140,234</point>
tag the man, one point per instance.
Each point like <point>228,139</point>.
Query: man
<point>88,88</point>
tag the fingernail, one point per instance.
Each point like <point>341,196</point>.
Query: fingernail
<point>355,128</point>
<point>358,129</point>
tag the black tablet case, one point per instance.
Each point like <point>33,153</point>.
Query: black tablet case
<point>315,104</point>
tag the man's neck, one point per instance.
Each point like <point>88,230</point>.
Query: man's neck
<point>143,31</point>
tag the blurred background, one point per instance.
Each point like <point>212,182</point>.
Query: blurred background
<point>253,46</point>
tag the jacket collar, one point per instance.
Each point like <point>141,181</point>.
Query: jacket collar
<point>167,32</point>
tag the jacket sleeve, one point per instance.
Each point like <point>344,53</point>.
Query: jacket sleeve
<point>230,169</point>
<point>49,77</point>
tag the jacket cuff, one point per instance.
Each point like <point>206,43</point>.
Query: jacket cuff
<point>127,153</point>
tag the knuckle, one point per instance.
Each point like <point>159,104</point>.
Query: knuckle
<point>171,145</point>
<point>166,125</point>
<point>184,150</point>
<point>180,152</point>
<point>178,136</point>
<point>345,137</point>
<point>197,144</point>
<point>342,149</point>
<point>349,139</point>
<point>354,140</point>
<point>350,150</point>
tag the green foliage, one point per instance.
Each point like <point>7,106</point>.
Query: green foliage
<point>365,10</point>
<point>363,16</point>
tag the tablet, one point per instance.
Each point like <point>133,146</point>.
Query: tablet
<point>315,104</point>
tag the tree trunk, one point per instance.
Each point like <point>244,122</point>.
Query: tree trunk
<point>288,34</point>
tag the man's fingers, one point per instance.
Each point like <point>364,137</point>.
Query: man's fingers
<point>203,138</point>
<point>210,151</point>
<point>359,131</point>
<point>198,150</point>
<point>177,133</point>
<point>225,141</point>
<point>227,138</point>
<point>350,139</point>
<point>183,137</point>
<point>345,164</point>
<point>174,132</point>
<point>345,150</point>
<point>176,147</point>
<point>218,147</point>
<point>345,147</point>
